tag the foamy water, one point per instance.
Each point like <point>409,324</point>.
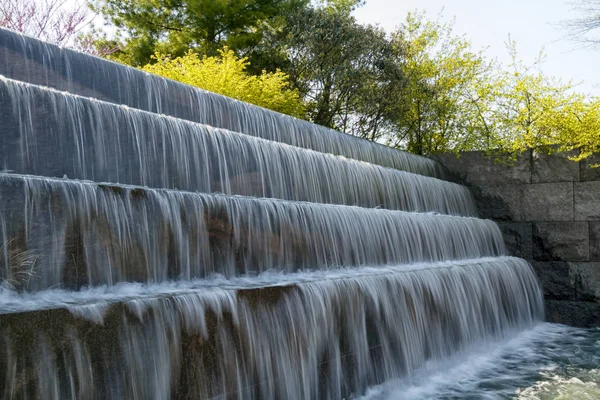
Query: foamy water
<point>550,361</point>
<point>12,301</point>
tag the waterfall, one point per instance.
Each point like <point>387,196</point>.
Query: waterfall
<point>261,341</point>
<point>162,242</point>
<point>107,143</point>
<point>120,233</point>
<point>30,60</point>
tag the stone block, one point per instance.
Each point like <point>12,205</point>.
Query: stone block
<point>594,240</point>
<point>561,241</point>
<point>518,238</point>
<point>555,167</point>
<point>587,172</point>
<point>555,279</point>
<point>586,197</point>
<point>476,168</point>
<point>566,281</point>
<point>499,202</point>
<point>585,279</point>
<point>575,313</point>
<point>548,202</point>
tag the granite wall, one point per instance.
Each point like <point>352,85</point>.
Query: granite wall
<point>548,208</point>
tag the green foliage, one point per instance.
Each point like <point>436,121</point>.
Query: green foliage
<point>204,26</point>
<point>449,90</point>
<point>226,74</point>
<point>423,89</point>
<point>346,72</point>
<point>535,111</point>
<point>459,100</point>
<point>343,7</point>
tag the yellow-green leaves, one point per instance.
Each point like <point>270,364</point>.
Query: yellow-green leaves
<point>226,74</point>
<point>535,111</point>
<point>448,86</point>
<point>459,100</point>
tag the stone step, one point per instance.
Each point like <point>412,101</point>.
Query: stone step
<point>51,133</point>
<point>30,60</point>
<point>307,337</point>
<point>68,233</point>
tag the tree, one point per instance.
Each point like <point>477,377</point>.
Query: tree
<point>449,87</point>
<point>584,27</point>
<point>62,22</point>
<point>343,7</point>
<point>344,71</point>
<point>55,21</point>
<point>534,111</point>
<point>226,74</point>
<point>176,26</point>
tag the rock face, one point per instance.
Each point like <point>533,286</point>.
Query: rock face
<point>548,208</point>
<point>568,241</point>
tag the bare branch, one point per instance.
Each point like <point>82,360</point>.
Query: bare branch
<point>583,28</point>
<point>56,21</point>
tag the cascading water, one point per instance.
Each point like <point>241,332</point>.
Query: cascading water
<point>300,336</point>
<point>82,233</point>
<point>308,276</point>
<point>30,60</point>
<point>107,143</point>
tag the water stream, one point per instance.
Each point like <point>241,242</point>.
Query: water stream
<point>161,242</point>
<point>258,340</point>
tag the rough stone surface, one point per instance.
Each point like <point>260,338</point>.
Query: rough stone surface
<point>594,240</point>
<point>555,279</point>
<point>518,238</point>
<point>554,167</point>
<point>569,281</point>
<point>561,241</point>
<point>580,313</point>
<point>587,200</point>
<point>550,217</point>
<point>585,279</point>
<point>477,168</point>
<point>547,202</point>
<point>587,172</point>
<point>499,202</point>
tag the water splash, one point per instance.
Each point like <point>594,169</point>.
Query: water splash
<point>122,291</point>
<point>549,361</point>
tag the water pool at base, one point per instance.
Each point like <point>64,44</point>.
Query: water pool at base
<point>548,362</point>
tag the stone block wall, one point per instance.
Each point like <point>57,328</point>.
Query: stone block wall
<point>548,208</point>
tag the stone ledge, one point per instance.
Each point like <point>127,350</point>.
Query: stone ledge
<point>585,279</point>
<point>555,167</point>
<point>502,202</point>
<point>518,238</point>
<point>567,281</point>
<point>476,168</point>
<point>555,280</point>
<point>588,173</point>
<point>594,240</point>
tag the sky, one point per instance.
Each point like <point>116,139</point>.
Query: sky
<point>533,24</point>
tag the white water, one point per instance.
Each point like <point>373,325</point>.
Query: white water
<point>104,296</point>
<point>105,234</point>
<point>260,342</point>
<point>103,142</point>
<point>30,60</point>
<point>547,362</point>
<point>117,291</point>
